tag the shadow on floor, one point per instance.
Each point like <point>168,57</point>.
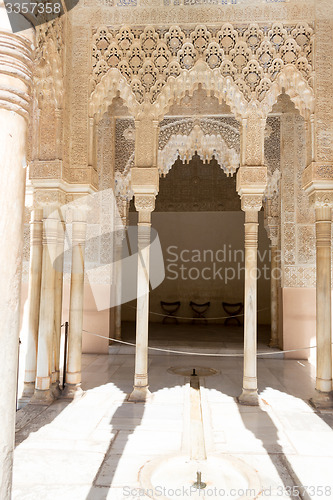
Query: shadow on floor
<point>228,383</point>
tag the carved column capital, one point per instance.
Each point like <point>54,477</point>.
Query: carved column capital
<point>144,203</point>
<point>251,179</point>
<point>251,184</point>
<point>317,180</point>
<point>145,180</point>
<point>251,202</point>
<point>48,197</point>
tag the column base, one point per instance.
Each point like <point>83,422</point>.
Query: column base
<point>249,397</point>
<point>56,391</point>
<point>273,343</point>
<point>42,397</point>
<point>26,395</point>
<point>72,391</point>
<point>140,394</point>
<point>322,400</point>
<point>28,390</point>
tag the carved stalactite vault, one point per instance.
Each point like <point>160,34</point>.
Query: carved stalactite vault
<point>207,137</point>
<point>247,66</point>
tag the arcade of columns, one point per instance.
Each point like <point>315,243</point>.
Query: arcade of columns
<point>248,67</point>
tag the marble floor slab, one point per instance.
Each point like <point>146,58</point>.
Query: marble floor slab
<point>94,448</point>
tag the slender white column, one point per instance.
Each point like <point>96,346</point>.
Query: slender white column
<point>43,393</point>
<point>35,275</point>
<point>144,205</point>
<point>322,397</point>
<point>249,395</point>
<point>272,224</point>
<point>15,81</point>
<point>275,272</point>
<point>74,353</point>
<point>118,284</point>
<point>58,309</point>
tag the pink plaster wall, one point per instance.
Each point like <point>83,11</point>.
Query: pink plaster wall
<point>93,320</point>
<point>299,321</point>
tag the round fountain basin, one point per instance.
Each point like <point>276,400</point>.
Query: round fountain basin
<point>185,371</point>
<point>224,476</point>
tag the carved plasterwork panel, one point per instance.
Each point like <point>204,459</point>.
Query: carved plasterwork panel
<point>125,142</point>
<point>272,195</point>
<point>105,152</point>
<point>272,144</point>
<point>240,63</point>
<point>324,82</point>
<point>297,215</point>
<point>228,127</point>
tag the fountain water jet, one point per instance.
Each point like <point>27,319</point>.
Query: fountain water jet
<point>217,475</point>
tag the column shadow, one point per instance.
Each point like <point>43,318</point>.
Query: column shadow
<point>127,418</point>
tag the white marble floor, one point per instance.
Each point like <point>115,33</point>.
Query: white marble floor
<point>94,448</point>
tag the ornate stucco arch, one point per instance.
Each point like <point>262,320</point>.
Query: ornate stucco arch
<point>48,72</point>
<point>211,80</point>
<point>291,81</point>
<point>111,85</point>
<point>206,146</point>
<point>246,66</point>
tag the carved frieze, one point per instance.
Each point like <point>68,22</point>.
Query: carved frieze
<point>45,171</point>
<point>252,59</point>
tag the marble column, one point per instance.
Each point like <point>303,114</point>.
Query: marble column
<point>144,205</point>
<point>323,396</point>
<point>74,352</point>
<point>251,185</point>
<point>249,394</point>
<point>15,81</point>
<point>58,309</point>
<point>35,275</point>
<point>118,285</point>
<point>318,183</point>
<point>43,393</point>
<point>272,228</point>
<point>275,283</point>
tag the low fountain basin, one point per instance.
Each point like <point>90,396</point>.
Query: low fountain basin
<point>173,477</point>
<point>186,371</point>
